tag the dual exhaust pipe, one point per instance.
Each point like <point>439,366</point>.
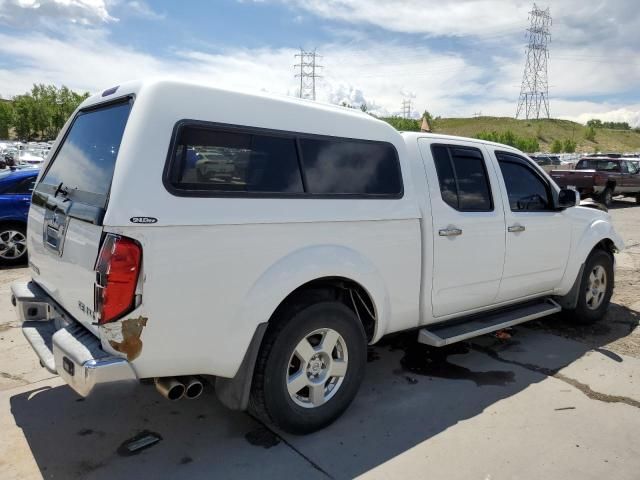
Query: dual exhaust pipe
<point>174,388</point>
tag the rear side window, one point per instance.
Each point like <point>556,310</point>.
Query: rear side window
<point>462,175</point>
<point>210,160</point>
<point>351,167</point>
<point>85,162</point>
<point>231,161</point>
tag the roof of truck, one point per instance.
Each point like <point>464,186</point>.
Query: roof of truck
<point>136,86</point>
<point>444,136</point>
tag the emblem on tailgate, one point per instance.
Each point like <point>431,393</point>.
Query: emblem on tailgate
<point>143,220</point>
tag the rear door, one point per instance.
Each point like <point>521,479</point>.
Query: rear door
<point>538,236</point>
<point>69,203</point>
<point>468,227</point>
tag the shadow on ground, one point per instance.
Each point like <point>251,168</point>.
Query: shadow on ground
<point>410,394</point>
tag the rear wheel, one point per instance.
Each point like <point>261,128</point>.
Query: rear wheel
<point>310,367</point>
<point>13,244</point>
<point>596,288</point>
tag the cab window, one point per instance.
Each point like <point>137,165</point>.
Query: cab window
<point>462,175</point>
<point>526,189</point>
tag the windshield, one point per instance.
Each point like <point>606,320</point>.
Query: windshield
<point>600,165</point>
<point>85,162</point>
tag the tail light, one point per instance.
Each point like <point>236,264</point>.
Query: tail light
<point>117,271</point>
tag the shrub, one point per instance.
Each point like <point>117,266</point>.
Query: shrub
<point>569,146</point>
<point>511,139</point>
<point>556,146</point>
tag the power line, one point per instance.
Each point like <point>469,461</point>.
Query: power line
<point>307,73</point>
<point>534,92</point>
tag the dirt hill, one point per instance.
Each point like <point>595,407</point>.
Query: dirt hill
<point>545,131</point>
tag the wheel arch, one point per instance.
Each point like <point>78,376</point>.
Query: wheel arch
<point>338,271</point>
<point>598,235</point>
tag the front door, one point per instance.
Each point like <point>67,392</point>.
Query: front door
<point>468,226</point>
<point>538,236</point>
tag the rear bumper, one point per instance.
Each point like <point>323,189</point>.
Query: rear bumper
<point>63,345</point>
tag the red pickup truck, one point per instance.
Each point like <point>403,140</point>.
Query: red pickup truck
<point>601,178</point>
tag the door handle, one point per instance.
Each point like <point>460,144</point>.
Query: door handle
<point>516,228</point>
<point>450,232</point>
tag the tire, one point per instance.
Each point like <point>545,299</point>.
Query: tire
<point>591,307</point>
<point>13,244</point>
<point>606,197</point>
<point>293,353</point>
<point>637,198</point>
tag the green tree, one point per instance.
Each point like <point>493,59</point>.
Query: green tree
<point>590,133</point>
<point>41,113</point>
<point>6,118</point>
<point>403,124</point>
<point>556,146</point>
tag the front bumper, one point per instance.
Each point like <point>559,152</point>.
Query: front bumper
<point>63,345</point>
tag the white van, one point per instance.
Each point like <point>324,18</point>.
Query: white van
<point>180,232</point>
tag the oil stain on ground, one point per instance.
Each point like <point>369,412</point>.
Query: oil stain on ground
<point>434,362</point>
<point>262,437</point>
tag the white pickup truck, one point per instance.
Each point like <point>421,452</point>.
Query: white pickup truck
<point>326,230</point>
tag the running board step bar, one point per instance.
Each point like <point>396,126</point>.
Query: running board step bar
<point>442,334</point>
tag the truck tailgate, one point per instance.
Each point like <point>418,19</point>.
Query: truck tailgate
<point>69,202</point>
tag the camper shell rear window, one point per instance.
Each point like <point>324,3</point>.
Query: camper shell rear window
<point>209,160</point>
<point>83,165</point>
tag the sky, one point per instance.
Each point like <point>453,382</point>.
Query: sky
<point>451,57</point>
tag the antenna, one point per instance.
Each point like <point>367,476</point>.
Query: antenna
<point>534,92</point>
<point>307,73</point>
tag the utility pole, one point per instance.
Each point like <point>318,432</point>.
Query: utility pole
<point>406,108</point>
<point>307,67</point>
<point>534,92</point>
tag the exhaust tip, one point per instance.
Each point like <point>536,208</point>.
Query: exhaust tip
<point>170,388</point>
<point>194,386</point>
<point>176,392</point>
<point>194,390</point>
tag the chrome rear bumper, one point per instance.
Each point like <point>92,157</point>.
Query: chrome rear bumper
<point>63,345</point>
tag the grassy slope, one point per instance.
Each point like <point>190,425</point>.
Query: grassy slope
<point>546,131</point>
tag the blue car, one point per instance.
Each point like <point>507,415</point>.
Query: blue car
<point>15,198</point>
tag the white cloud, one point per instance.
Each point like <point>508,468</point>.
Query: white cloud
<point>136,8</point>
<point>588,58</point>
<point>28,13</point>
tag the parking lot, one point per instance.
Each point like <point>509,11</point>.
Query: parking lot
<point>553,401</point>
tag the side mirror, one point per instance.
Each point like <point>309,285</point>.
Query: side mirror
<point>568,198</point>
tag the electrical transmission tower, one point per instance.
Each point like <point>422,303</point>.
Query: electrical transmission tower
<point>307,73</point>
<point>534,92</point>
<point>406,108</point>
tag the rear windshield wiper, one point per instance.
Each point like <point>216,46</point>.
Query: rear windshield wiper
<point>61,190</point>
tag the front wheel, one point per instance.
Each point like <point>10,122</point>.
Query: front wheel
<point>596,288</point>
<point>310,367</point>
